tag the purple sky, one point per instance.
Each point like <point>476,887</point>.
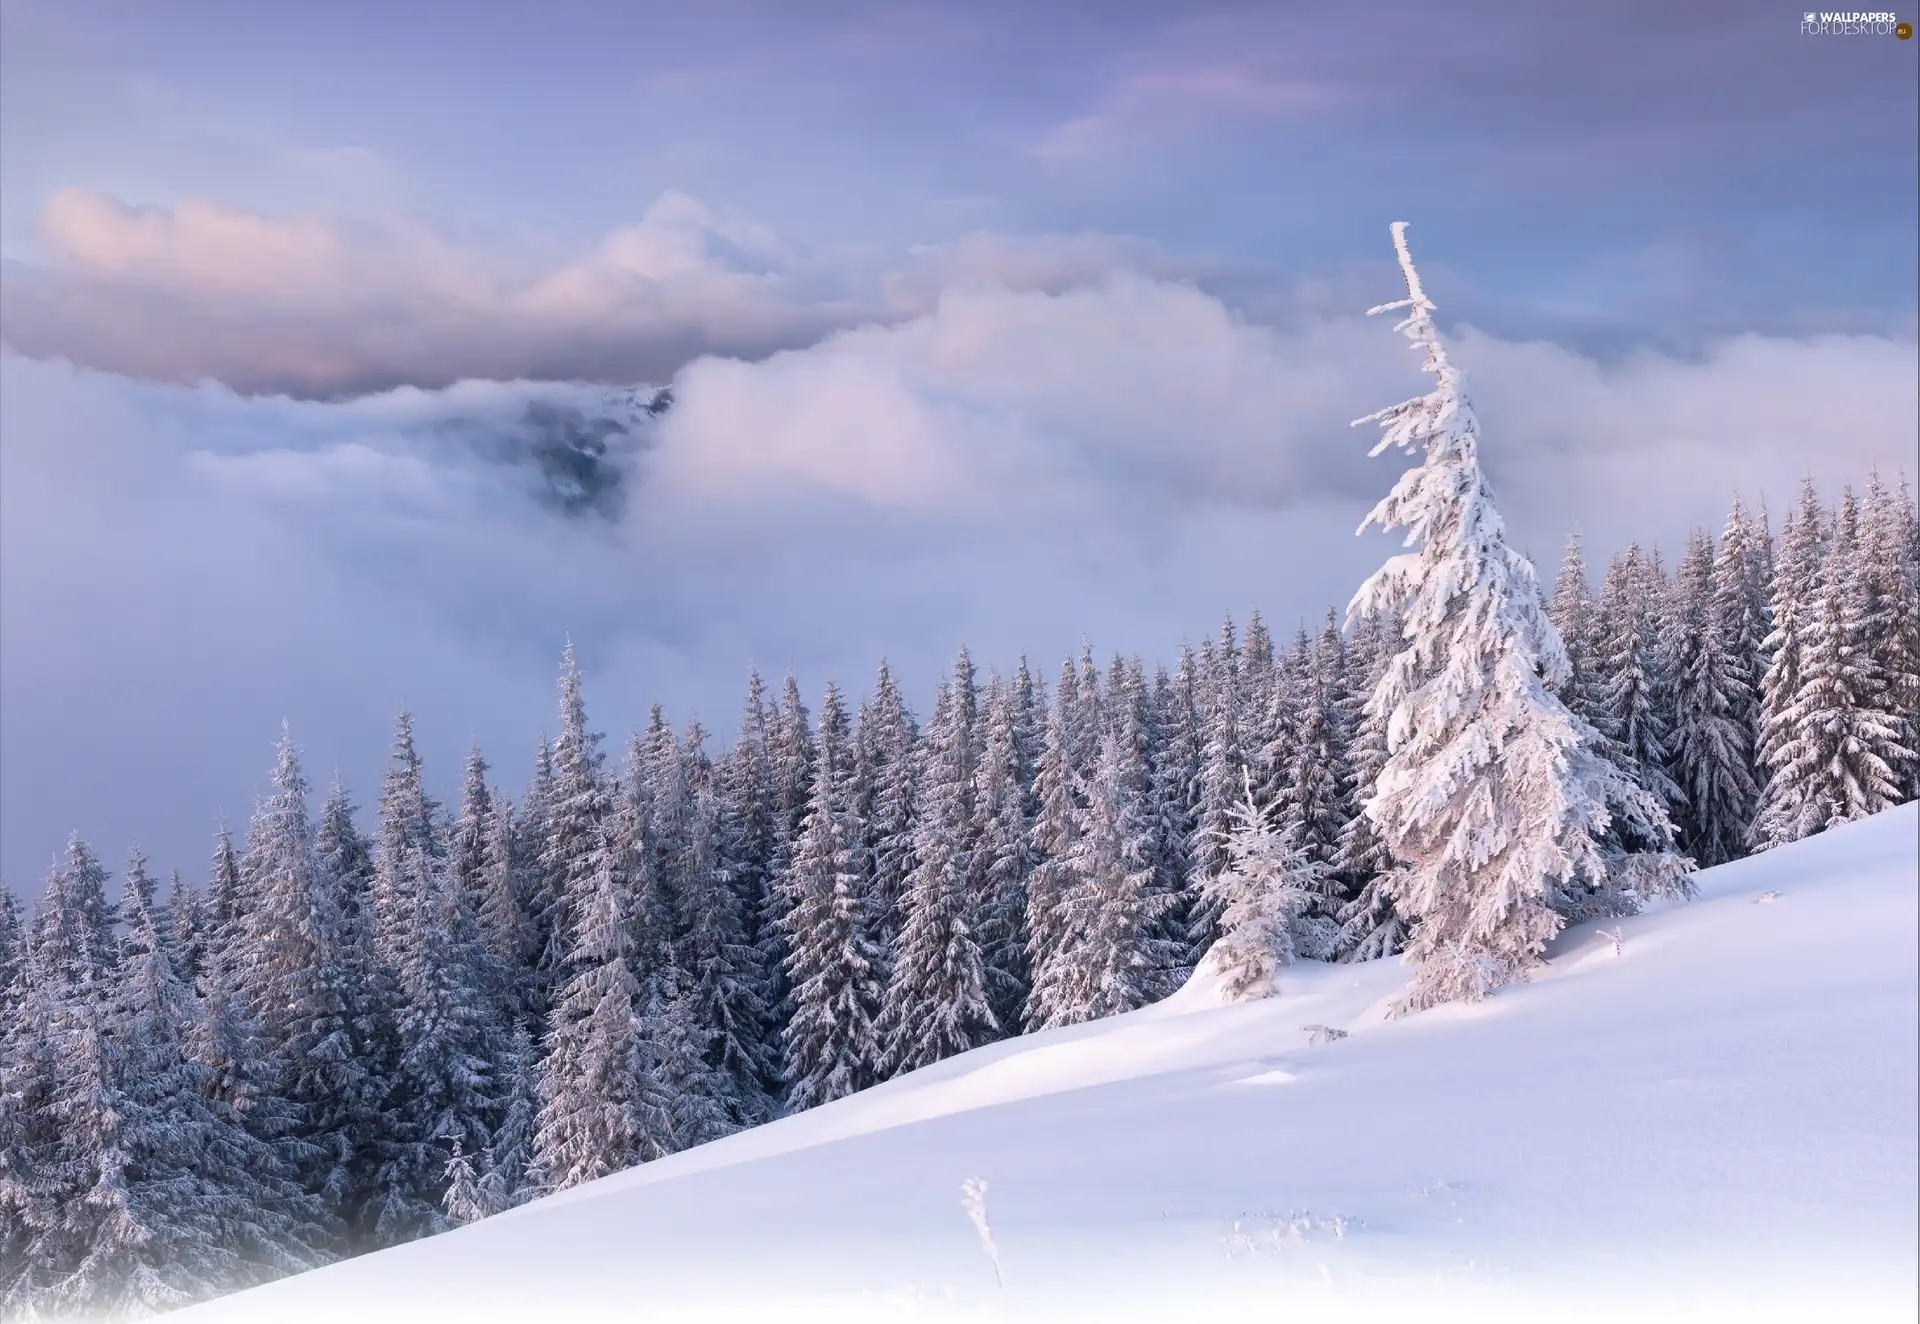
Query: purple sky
<point>1012,326</point>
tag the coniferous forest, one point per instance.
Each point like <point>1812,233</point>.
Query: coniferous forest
<point>367,1027</point>
<point>362,1028</point>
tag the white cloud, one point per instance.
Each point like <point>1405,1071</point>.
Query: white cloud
<point>1162,104</point>
<point>1016,469</point>
<point>328,307</point>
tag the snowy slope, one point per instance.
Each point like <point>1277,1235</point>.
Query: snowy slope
<point>1719,1122</point>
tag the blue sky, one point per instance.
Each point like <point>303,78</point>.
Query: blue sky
<point>1007,324</point>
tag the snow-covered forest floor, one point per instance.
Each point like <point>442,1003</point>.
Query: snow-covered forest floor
<point>1718,1117</point>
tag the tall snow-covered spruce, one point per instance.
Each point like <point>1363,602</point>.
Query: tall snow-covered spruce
<point>1494,799</point>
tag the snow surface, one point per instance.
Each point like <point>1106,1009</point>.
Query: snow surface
<point>1719,1122</point>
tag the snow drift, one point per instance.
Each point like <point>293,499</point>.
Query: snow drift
<point>1714,1115</point>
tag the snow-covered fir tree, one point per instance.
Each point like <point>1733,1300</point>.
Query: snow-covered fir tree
<point>1110,957</point>
<point>1176,791</point>
<point>1223,769</point>
<point>579,848</point>
<point>1886,591</point>
<point>535,885</point>
<point>591,1084</point>
<point>13,954</point>
<point>505,1172</point>
<point>1576,616</point>
<point>724,987</point>
<point>744,785</point>
<point>1635,682</point>
<point>301,990</point>
<point>790,771</point>
<point>183,926</point>
<point>654,833</point>
<point>1796,570</point>
<point>1493,796</point>
<point>833,1044</point>
<point>1370,926</point>
<point>467,834</point>
<point>1265,897</point>
<point>1313,803</point>
<point>223,895</point>
<point>1837,756</point>
<point>1711,749</point>
<point>1056,829</point>
<point>464,1202</point>
<point>450,1034</point>
<point>886,742</point>
<point>506,929</point>
<point>938,1001</point>
<point>1741,616</point>
<point>1004,832</point>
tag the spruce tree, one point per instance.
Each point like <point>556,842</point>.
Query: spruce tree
<point>938,1000</point>
<point>1004,833</point>
<point>505,1178</point>
<point>885,748</point>
<point>59,1111</point>
<point>832,1041</point>
<point>1314,801</point>
<point>72,934</point>
<point>1633,703</point>
<point>467,835</point>
<point>1370,927</point>
<point>1711,755</point>
<point>1493,794</point>
<point>1176,792</point>
<point>1576,616</point>
<point>507,930</point>
<point>223,896</point>
<point>1223,770</point>
<point>301,989</point>
<point>451,1035</point>
<point>744,787</point>
<point>31,1186</point>
<point>1741,616</point>
<point>1886,589</point>
<point>1111,958</point>
<point>724,985</point>
<point>537,888</point>
<point>591,1084</point>
<point>13,955</point>
<point>1778,818</point>
<point>184,929</point>
<point>578,848</point>
<point>661,794</point>
<point>1836,761</point>
<point>465,1202</point>
<point>1056,830</point>
<point>1265,897</point>
<point>193,1206</point>
<point>790,771</point>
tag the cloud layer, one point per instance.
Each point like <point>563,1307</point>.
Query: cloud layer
<point>1123,460</point>
<point>328,308</point>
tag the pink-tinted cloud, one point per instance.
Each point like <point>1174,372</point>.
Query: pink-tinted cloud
<point>316,306</point>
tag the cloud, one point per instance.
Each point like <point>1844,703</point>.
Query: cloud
<point>313,307</point>
<point>323,307</point>
<point>1160,105</point>
<point>1018,469</point>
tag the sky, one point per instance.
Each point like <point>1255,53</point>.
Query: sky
<point>330,333</point>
